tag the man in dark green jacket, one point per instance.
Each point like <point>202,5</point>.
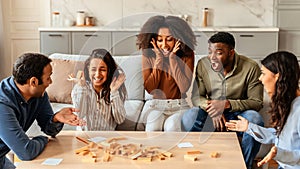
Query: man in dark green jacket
<point>227,86</point>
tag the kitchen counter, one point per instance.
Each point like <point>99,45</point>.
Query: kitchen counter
<point>252,41</point>
<point>85,28</point>
<point>206,29</point>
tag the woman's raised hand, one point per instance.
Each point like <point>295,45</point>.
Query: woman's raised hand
<point>79,79</point>
<point>155,48</point>
<point>176,47</point>
<point>237,125</point>
<point>268,157</point>
<point>117,82</point>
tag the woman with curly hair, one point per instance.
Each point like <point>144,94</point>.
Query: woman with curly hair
<point>280,77</point>
<point>167,45</point>
<point>100,93</point>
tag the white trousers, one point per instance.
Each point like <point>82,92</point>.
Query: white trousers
<point>163,114</point>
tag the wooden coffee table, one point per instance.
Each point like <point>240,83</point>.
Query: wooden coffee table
<point>225,143</point>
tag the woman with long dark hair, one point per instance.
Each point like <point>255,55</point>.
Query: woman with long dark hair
<point>167,45</point>
<point>280,77</point>
<point>100,93</point>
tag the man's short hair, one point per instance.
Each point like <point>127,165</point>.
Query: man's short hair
<point>30,65</point>
<point>223,37</point>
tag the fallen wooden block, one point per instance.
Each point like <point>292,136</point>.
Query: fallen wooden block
<point>99,146</point>
<point>89,160</point>
<point>83,153</point>
<point>85,148</point>
<point>166,153</point>
<point>93,154</point>
<point>135,156</point>
<point>161,157</point>
<point>148,159</point>
<point>82,140</point>
<point>190,157</point>
<point>106,157</point>
<point>92,145</point>
<point>151,148</point>
<point>214,155</point>
<point>193,152</point>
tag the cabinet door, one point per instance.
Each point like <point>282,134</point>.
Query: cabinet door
<point>290,41</point>
<point>85,42</point>
<point>256,44</point>
<point>55,42</point>
<point>202,42</point>
<point>288,2</point>
<point>124,43</point>
<point>284,18</point>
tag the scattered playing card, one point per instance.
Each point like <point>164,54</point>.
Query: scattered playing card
<point>185,144</point>
<point>97,139</point>
<point>52,161</point>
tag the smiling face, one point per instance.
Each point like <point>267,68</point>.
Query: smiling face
<point>46,79</point>
<point>269,80</point>
<point>165,41</point>
<point>220,56</point>
<point>98,72</point>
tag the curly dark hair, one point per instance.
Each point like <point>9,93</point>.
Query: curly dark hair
<point>179,29</point>
<point>30,65</point>
<point>112,72</point>
<point>223,37</point>
<point>286,64</point>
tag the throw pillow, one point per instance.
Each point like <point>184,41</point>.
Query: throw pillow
<point>60,89</point>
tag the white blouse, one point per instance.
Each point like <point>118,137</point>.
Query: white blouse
<point>93,109</point>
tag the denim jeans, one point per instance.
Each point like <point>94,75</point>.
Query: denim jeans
<point>5,163</point>
<point>196,119</point>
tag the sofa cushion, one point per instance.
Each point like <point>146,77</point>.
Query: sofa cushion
<point>60,89</point>
<point>58,106</point>
<point>133,110</point>
<point>132,66</point>
<point>189,92</point>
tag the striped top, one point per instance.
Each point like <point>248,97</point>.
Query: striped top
<point>93,109</point>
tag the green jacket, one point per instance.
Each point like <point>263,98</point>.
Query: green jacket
<point>240,86</point>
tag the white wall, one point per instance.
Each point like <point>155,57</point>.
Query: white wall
<point>133,13</point>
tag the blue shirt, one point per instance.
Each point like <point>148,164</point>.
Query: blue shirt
<point>17,115</point>
<point>287,143</point>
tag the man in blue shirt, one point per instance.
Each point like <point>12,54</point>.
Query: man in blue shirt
<point>22,100</point>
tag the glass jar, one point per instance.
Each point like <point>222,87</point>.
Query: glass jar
<point>80,18</point>
<point>56,19</point>
<point>89,21</point>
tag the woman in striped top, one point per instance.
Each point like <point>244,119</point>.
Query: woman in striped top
<point>100,93</point>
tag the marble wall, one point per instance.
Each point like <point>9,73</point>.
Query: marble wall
<point>133,13</point>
